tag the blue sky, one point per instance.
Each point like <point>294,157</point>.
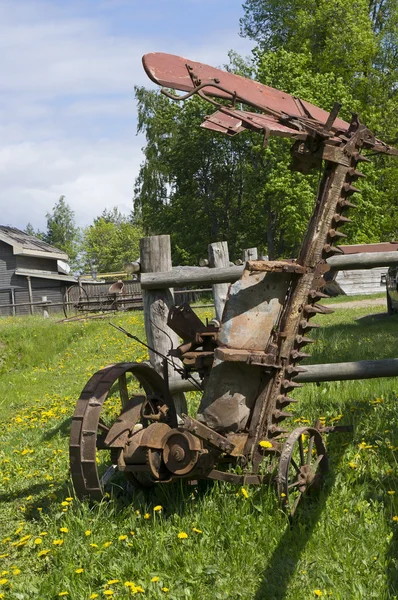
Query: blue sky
<point>67,107</point>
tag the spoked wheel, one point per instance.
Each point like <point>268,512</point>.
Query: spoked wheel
<point>93,464</point>
<point>76,301</point>
<point>302,464</point>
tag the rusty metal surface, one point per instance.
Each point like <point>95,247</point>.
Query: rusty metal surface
<point>184,74</point>
<point>86,434</point>
<point>302,464</point>
<point>249,366</point>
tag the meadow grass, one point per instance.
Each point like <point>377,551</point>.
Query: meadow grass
<point>343,543</point>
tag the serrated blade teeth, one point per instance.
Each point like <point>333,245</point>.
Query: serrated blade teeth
<point>294,370</point>
<point>275,430</point>
<point>354,173</point>
<point>278,415</point>
<point>340,219</point>
<point>290,385</point>
<point>297,355</point>
<point>313,309</point>
<point>281,401</point>
<point>360,157</point>
<point>304,324</point>
<point>301,339</point>
<point>351,189</point>
<point>343,203</point>
<point>314,294</point>
<point>335,233</point>
<point>330,249</point>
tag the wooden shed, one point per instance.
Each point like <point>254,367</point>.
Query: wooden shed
<point>30,269</point>
<point>363,281</point>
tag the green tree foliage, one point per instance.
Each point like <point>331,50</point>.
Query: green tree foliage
<point>30,230</point>
<point>61,229</point>
<point>109,242</point>
<point>201,187</point>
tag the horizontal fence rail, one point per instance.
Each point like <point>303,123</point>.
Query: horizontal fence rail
<point>362,369</point>
<point>180,276</point>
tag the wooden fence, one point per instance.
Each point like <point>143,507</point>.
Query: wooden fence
<point>159,278</point>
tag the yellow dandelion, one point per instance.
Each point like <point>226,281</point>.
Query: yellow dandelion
<point>391,492</point>
<point>318,593</point>
<point>196,530</point>
<point>352,465</point>
<point>283,495</point>
<point>182,535</point>
<point>155,579</point>
<point>265,444</point>
<point>58,542</point>
<point>395,518</point>
<point>43,553</point>
<point>63,529</point>
<point>132,533</point>
<point>64,503</point>
<point>43,533</point>
<point>244,492</point>
<point>157,508</point>
<point>147,516</point>
<point>38,541</point>
<point>108,593</point>
<point>69,499</point>
<point>3,581</point>
<point>113,581</point>
<point>80,570</point>
<point>121,538</point>
<point>63,594</point>
<point>129,584</point>
<point>93,595</point>
<point>4,555</point>
<point>87,532</point>
<point>139,590</point>
<point>165,589</point>
<point>94,545</point>
<point>105,544</point>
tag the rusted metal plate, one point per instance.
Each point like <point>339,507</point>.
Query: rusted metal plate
<point>277,266</point>
<point>232,124</point>
<point>184,74</point>
<point>252,309</point>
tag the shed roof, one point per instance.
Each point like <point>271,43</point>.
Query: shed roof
<point>380,247</point>
<point>23,243</point>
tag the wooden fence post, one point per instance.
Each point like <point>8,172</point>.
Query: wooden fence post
<point>249,254</point>
<point>219,257</point>
<point>155,256</point>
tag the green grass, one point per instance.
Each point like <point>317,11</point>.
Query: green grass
<point>337,299</point>
<point>343,543</point>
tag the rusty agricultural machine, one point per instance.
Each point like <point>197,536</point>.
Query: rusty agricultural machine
<point>248,362</point>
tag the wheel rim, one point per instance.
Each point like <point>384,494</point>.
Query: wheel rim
<point>72,297</point>
<point>302,464</point>
<point>91,423</point>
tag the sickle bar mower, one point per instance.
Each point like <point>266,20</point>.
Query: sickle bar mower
<point>248,363</point>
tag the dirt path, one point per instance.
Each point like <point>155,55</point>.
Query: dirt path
<point>360,303</point>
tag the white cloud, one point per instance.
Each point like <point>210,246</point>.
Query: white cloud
<point>67,85</point>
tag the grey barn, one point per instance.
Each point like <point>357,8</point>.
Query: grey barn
<point>29,270</point>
